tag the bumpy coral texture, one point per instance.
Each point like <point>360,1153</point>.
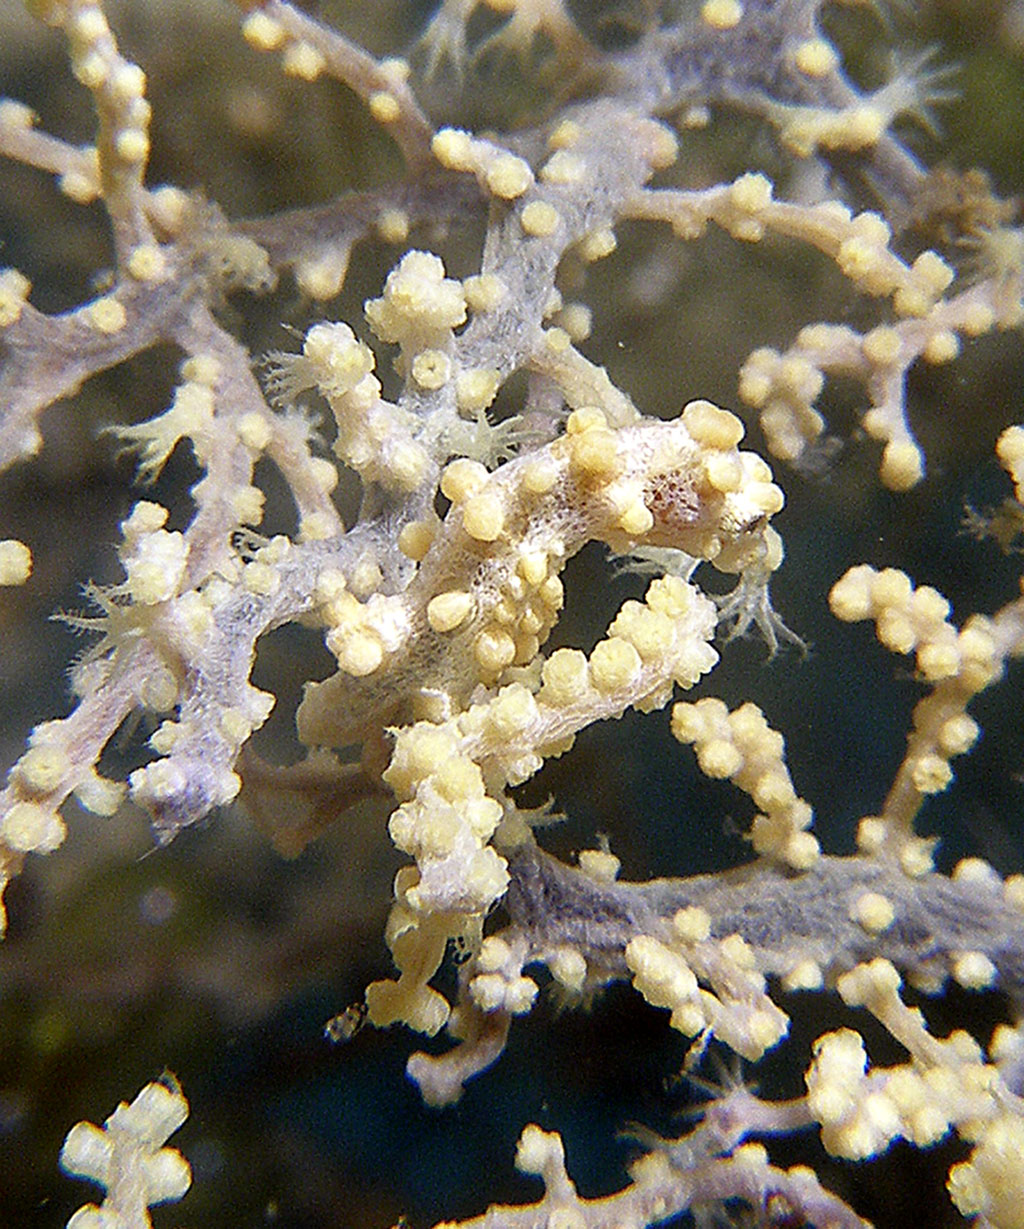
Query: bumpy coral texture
<point>411,478</point>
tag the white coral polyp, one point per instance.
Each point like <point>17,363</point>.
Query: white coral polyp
<point>128,1159</point>
<point>30,827</point>
<point>419,303</point>
<point>337,360</point>
<point>155,566</point>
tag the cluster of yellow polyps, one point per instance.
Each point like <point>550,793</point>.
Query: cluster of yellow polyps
<point>742,746</point>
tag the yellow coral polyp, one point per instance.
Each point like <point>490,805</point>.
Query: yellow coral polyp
<point>722,14</point>
<point>508,176</point>
<point>816,57</point>
<point>751,192</point>
<point>418,299</point>
<point>15,562</point>
<point>30,827</point>
<point>418,752</point>
<point>107,315</point>
<point>431,369</point>
<point>614,664</point>
<point>476,388</point>
<point>359,653</point>
<point>662,976</point>
<point>303,60</point>
<point>651,632</point>
<point>483,516</point>
<point>565,676</point>
<point>494,649</point>
<point>597,244</point>
<point>873,911</point>
<point>384,107</point>
<point>14,291</point>
<point>450,610</point>
<point>712,427</point>
<point>452,147</point>
<point>539,219</point>
<point>262,32</point>
<point>593,453</point>
<point>462,478</point>
<point>990,1183</point>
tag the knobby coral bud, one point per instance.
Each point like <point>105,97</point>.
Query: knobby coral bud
<point>128,1159</point>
